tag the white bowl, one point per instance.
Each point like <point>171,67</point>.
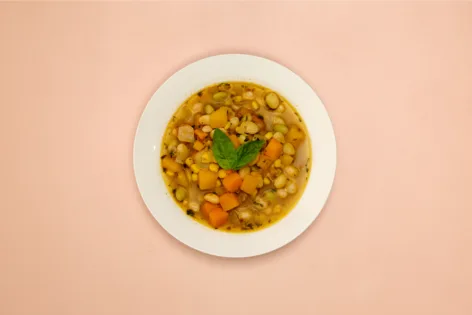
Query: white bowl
<point>190,80</point>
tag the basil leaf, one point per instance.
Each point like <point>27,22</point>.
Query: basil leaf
<point>247,153</point>
<point>223,150</point>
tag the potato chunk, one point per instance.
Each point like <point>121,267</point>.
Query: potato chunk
<point>186,134</point>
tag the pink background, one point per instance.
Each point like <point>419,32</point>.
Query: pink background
<point>394,238</point>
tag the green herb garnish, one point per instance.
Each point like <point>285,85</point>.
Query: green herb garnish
<point>228,157</point>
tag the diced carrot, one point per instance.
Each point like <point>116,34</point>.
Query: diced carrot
<point>218,217</point>
<point>206,208</point>
<point>234,139</point>
<point>169,164</point>
<point>207,179</point>
<point>229,201</point>
<point>249,184</point>
<point>273,149</point>
<point>200,134</point>
<point>232,182</point>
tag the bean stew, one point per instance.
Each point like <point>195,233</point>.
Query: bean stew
<point>236,156</point>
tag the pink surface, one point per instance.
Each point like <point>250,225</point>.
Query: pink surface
<point>394,238</point>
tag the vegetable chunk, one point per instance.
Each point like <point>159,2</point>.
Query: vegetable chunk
<point>232,182</point>
<point>229,201</point>
<point>273,149</point>
<point>250,183</point>
<point>295,136</point>
<point>208,207</point>
<point>185,133</point>
<point>207,179</point>
<point>218,217</point>
<point>171,165</point>
<point>219,118</point>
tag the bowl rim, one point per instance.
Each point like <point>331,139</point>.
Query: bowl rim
<point>189,80</point>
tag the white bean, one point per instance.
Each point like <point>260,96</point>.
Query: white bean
<point>194,206</point>
<point>234,122</point>
<point>291,187</point>
<point>280,181</point>
<point>282,193</point>
<point>260,203</point>
<point>250,127</point>
<point>291,171</point>
<point>204,120</point>
<point>212,198</point>
<point>207,129</point>
<point>272,100</point>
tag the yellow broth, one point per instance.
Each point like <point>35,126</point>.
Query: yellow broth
<point>203,189</point>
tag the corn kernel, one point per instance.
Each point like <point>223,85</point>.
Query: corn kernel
<point>255,105</point>
<point>170,173</point>
<point>242,139</point>
<point>268,135</point>
<point>238,99</point>
<point>214,167</point>
<point>266,181</point>
<point>198,145</point>
<point>195,168</point>
<point>194,177</point>
<point>205,158</point>
<point>281,108</point>
<point>221,173</point>
<point>218,183</point>
<point>189,161</point>
<point>278,163</point>
<point>228,124</point>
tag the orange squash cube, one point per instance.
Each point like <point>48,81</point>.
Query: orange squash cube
<point>229,201</point>
<point>273,149</point>
<point>249,184</point>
